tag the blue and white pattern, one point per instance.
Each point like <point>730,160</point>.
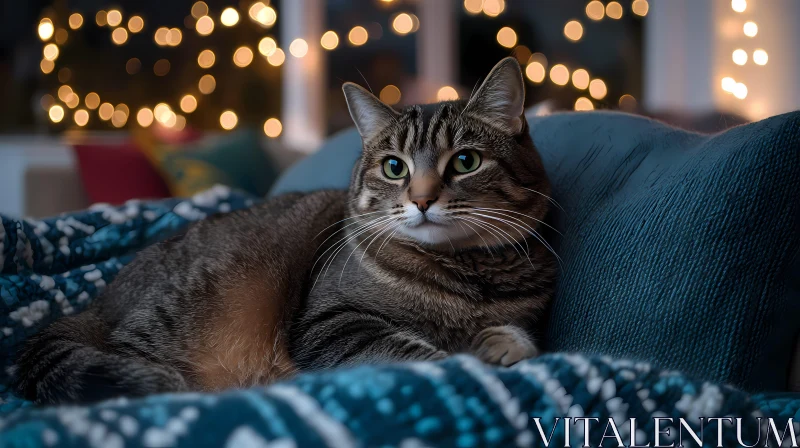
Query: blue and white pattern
<point>56,267</point>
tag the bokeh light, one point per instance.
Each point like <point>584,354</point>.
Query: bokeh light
<point>119,36</point>
<point>267,46</point>
<point>640,7</point>
<point>739,57</point>
<point>161,67</point>
<point>628,103</point>
<point>204,25</point>
<point>493,8</point>
<point>100,18</point>
<point>56,113</point>
<point>92,101</point>
<point>243,56</point>
<point>739,6</point>
<point>206,85</point>
<point>144,117</point>
<point>46,29</point>
<point>133,66</point>
<point>358,35</point>
<point>507,37</point>
<point>188,104</point>
<point>113,17</point>
<point>228,120</point>
<point>390,95</point>
<point>446,93</point>
<point>64,92</point>
<point>206,59</point>
<point>75,21</point>
<point>402,24</point>
<point>229,17</point>
<point>580,79</point>
<point>277,57</point>
<point>573,30</point>
<point>598,89</point>
<point>47,66</point>
<point>160,36</point>
<point>750,29</point>
<point>135,24</point>
<point>728,84</point>
<point>329,40</point>
<point>50,52</point>
<point>559,74</point>
<point>199,9</point>
<point>105,111</point>
<point>740,91</point>
<point>266,17</point>
<point>760,57</point>
<point>81,117</point>
<point>614,10</point>
<point>473,6</point>
<point>298,48</point>
<point>535,71</point>
<point>595,10</point>
<point>174,37</point>
<point>273,127</point>
<point>584,103</point>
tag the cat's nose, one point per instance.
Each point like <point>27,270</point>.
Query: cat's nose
<point>424,203</point>
<point>424,188</point>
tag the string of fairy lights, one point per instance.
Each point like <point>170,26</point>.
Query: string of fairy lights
<point>740,56</point>
<point>265,16</point>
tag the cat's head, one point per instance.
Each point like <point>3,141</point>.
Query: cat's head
<point>463,173</point>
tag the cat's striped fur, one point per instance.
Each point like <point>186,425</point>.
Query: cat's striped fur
<point>435,263</point>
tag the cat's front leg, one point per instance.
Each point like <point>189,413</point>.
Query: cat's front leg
<point>503,345</point>
<point>350,338</point>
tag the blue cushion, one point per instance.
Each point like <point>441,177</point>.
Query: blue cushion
<point>679,248</point>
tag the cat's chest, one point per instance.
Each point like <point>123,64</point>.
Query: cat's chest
<point>449,312</point>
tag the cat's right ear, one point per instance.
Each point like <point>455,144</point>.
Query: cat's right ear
<point>370,114</point>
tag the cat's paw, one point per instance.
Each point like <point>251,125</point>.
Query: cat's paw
<point>505,345</point>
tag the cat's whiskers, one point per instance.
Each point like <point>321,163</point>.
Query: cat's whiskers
<point>393,226</point>
<point>494,230</point>
<point>524,238</point>
<point>388,238</point>
<point>515,227</point>
<point>521,214</point>
<point>339,245</point>
<point>514,243</point>
<point>385,226</point>
<point>342,239</point>
<point>345,219</point>
<point>553,201</point>
<point>352,236</point>
<point>488,248</point>
<point>536,235</point>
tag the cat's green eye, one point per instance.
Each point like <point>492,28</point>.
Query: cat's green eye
<point>394,168</point>
<point>466,161</point>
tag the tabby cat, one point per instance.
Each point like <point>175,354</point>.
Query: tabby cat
<point>433,250</point>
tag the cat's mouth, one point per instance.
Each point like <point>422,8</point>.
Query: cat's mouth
<point>424,220</point>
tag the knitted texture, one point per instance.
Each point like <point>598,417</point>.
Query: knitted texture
<point>55,267</point>
<point>456,402</point>
<point>679,247</point>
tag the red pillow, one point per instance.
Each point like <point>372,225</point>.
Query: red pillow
<point>115,173</point>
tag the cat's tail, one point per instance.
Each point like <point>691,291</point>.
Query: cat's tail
<point>68,362</point>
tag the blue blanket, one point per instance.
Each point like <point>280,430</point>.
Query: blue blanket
<point>57,266</point>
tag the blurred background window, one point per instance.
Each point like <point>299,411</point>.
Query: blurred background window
<point>72,70</point>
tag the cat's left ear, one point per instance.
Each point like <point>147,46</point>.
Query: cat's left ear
<point>500,100</point>
<point>370,114</point>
